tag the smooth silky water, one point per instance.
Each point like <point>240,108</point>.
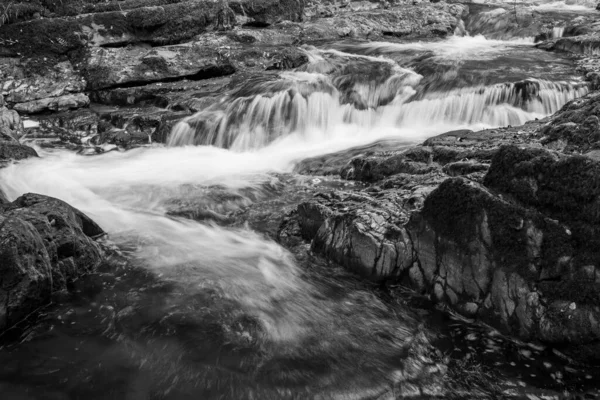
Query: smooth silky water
<point>187,309</point>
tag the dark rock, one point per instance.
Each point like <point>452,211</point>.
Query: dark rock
<point>44,245</point>
<point>561,186</point>
<point>464,168</point>
<point>128,127</point>
<point>515,247</point>
<point>576,127</point>
<point>332,164</point>
<point>24,39</point>
<point>147,17</point>
<point>268,12</point>
<point>12,150</point>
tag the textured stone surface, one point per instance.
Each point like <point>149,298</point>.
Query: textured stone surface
<point>494,224</point>
<point>44,245</point>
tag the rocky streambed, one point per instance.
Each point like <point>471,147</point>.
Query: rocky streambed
<point>275,225</point>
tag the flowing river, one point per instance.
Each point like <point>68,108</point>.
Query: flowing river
<point>195,309</point>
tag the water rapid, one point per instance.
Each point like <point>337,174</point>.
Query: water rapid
<point>223,310</point>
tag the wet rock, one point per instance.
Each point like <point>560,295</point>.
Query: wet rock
<point>510,240</point>
<point>332,164</point>
<point>576,128</point>
<point>135,126</point>
<point>465,168</point>
<point>584,44</point>
<point>74,126</point>
<point>13,150</point>
<point>44,245</point>
<point>362,237</point>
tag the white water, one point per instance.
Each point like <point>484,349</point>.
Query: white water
<point>248,268</point>
<point>304,113</point>
<point>457,48</point>
<point>570,5</point>
<point>558,32</point>
<point>323,104</point>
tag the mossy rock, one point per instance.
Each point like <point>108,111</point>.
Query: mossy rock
<point>43,37</point>
<point>147,17</point>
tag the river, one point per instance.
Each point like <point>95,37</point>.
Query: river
<point>194,309</point>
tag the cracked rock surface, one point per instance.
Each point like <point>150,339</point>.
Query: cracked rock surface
<point>498,225</point>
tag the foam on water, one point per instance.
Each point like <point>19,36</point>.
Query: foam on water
<point>573,5</point>
<point>476,47</point>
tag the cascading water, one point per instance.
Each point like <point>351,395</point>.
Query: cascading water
<point>227,312</point>
<point>313,103</point>
<point>558,32</point>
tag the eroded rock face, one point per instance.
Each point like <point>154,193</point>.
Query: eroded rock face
<point>495,224</point>
<point>44,245</point>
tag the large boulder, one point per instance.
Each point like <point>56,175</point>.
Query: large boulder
<point>512,242</point>
<point>576,128</point>
<point>44,245</point>
<point>509,265</point>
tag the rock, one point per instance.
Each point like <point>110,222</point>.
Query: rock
<point>44,245</point>
<point>577,125</point>
<point>584,44</point>
<point>332,164</point>
<point>60,103</point>
<point>23,39</point>
<point>423,20</point>
<point>269,12</point>
<point>11,126</point>
<point>34,79</point>
<point>108,67</point>
<point>510,240</point>
<point>136,126</point>
<point>12,150</point>
<point>70,126</point>
<point>564,187</point>
<point>508,21</point>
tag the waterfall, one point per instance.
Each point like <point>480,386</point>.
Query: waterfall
<point>314,106</point>
<point>558,32</point>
